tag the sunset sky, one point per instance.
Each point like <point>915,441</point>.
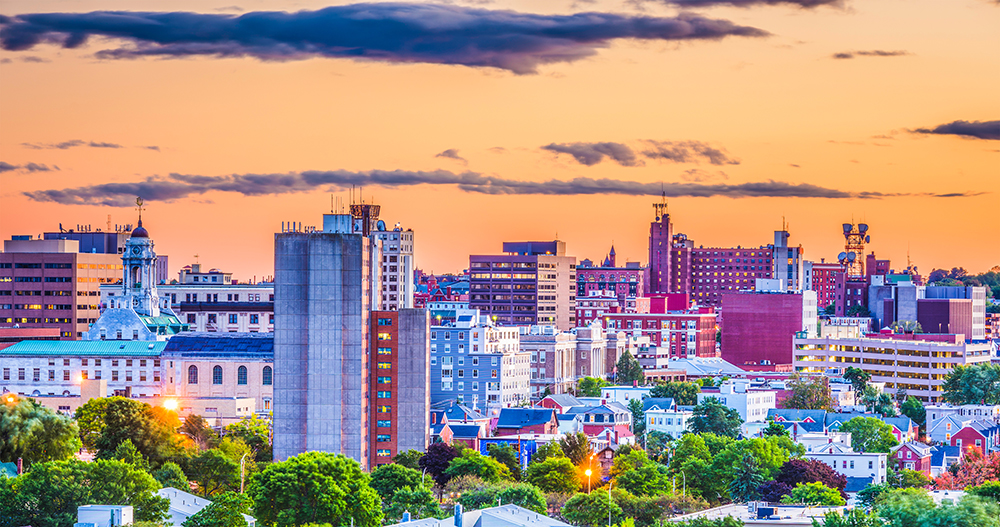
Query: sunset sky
<point>474,122</point>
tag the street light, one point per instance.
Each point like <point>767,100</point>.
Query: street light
<point>242,473</point>
<point>588,473</point>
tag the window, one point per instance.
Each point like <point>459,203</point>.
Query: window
<point>383,452</point>
<point>385,380</point>
<point>384,365</point>
<point>266,376</point>
<point>384,423</point>
<point>385,351</point>
<point>190,318</point>
<point>384,394</point>
<point>65,375</point>
<point>241,375</point>
<point>36,375</point>
<point>255,319</point>
<point>385,336</point>
<point>385,321</point>
<point>383,408</point>
<point>217,375</point>
<point>212,318</point>
<point>232,318</point>
<point>114,375</point>
<point>192,375</point>
<point>20,374</point>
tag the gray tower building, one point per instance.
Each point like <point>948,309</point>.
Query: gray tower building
<point>397,267</point>
<point>326,282</point>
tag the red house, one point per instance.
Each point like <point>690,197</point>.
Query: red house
<point>913,456</point>
<point>514,421</point>
<point>981,435</point>
<point>561,403</point>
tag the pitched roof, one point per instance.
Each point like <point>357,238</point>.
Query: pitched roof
<point>902,423</point>
<point>606,408</point>
<point>564,400</point>
<point>460,412</point>
<point>941,453</point>
<point>85,348</point>
<point>257,345</point>
<point>919,448</point>
<point>660,403</point>
<point>520,417</point>
<point>794,414</point>
<point>465,430</point>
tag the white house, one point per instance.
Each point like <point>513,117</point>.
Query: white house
<point>184,505</point>
<point>624,394</point>
<point>852,464</point>
<point>817,441</point>
<point>751,403</point>
<point>673,422</point>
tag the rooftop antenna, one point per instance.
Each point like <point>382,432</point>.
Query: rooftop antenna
<point>138,207</point>
<point>661,207</point>
<point>196,258</point>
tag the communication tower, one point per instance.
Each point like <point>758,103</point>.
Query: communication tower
<point>856,236</point>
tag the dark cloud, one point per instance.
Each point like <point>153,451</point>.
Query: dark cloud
<point>794,165</point>
<point>390,32</point>
<point>698,175</point>
<point>872,53</point>
<point>27,167</point>
<point>976,129</point>
<point>65,145</point>
<point>687,152</point>
<point>593,153</point>
<point>753,3</point>
<point>452,153</point>
<point>153,147</point>
<point>179,186</point>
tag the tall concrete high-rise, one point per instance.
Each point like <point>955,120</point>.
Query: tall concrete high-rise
<point>326,282</point>
<point>397,267</point>
<point>660,244</point>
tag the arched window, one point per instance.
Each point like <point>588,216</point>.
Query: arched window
<point>192,375</point>
<point>241,375</point>
<point>266,381</point>
<point>217,375</point>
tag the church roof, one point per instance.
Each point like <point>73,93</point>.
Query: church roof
<point>220,344</point>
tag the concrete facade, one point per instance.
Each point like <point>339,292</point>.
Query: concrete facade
<point>397,268</point>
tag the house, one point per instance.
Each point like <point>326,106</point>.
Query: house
<point>979,434</point>
<point>843,459</point>
<point>753,404</point>
<point>527,420</point>
<point>184,505</point>
<point>624,394</point>
<point>966,411</point>
<point>560,402</point>
<point>469,434</point>
<point>570,423</point>
<point>503,516</point>
<point>609,415</point>
<point>913,456</point>
<point>605,458</point>
<point>943,457</point>
<point>673,422</point>
<point>945,427</point>
<point>815,441</point>
<point>903,428</point>
<point>658,403</point>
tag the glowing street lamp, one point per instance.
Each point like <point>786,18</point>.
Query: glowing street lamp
<point>170,404</point>
<point>588,472</point>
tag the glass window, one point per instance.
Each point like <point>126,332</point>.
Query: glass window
<point>241,375</point>
<point>267,374</point>
<point>192,375</point>
<point>217,375</point>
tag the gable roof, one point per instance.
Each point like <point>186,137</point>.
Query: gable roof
<point>833,448</point>
<point>460,412</point>
<point>564,400</point>
<point>921,449</point>
<point>902,423</point>
<point>855,484</point>
<point>606,408</point>
<point>941,453</point>
<point>521,417</point>
<point>658,403</point>
<point>794,414</point>
<point>958,422</point>
<point>465,430</point>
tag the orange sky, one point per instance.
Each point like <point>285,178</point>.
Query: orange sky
<point>769,102</point>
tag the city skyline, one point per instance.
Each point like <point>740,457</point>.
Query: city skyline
<point>809,113</point>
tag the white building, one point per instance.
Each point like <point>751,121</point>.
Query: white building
<point>936,412</point>
<point>184,505</point>
<point>672,422</point>
<point>624,394</point>
<point>751,403</point>
<point>553,359</point>
<point>852,464</point>
<point>397,267</point>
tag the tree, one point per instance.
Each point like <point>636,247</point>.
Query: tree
<point>869,434</point>
<point>418,501</point>
<point>879,403</point>
<point>387,479</point>
<point>975,384</point>
<point>170,475</point>
<point>546,451</point>
<point>214,472</point>
<point>554,474</point>
<point>796,471</point>
<point>815,493</point>
<point>576,447</point>
<point>638,417</point>
<point>197,430</point>
<point>409,459</point>
<point>858,378</point>
<point>775,429</point>
<point>629,371</point>
<point>507,456</point>
<point>974,470</point>
<point>315,487</point>
<point>859,310</point>
<point>90,419</point>
<point>639,475</point>
<point>49,494</point>
<point>683,393</point>
<point>774,491</point>
<point>590,386</point>
<point>914,409</point>
<point>656,444</point>
<point>990,489</point>
<point>850,518</point>
<point>34,433</point>
<point>712,416</point>
<point>690,446</point>
<point>119,418</point>
<point>256,433</point>
<point>912,479</point>
<point>590,509</point>
<point>472,463</point>
<point>436,461</point>
<point>127,452</point>
<point>521,494</point>
<point>226,510</point>
<point>872,493</point>
<point>909,327</point>
<point>809,393</point>
<point>915,508</point>
<point>746,480</point>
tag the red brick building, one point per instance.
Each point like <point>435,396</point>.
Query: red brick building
<point>687,333</point>
<point>823,280</point>
<point>759,327</point>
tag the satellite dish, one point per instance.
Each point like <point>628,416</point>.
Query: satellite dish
<point>868,239</point>
<point>862,227</point>
<point>847,228</point>
<point>851,256</point>
<point>842,256</point>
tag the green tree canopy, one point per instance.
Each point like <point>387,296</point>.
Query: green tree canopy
<point>590,386</point>
<point>505,454</point>
<point>878,403</point>
<point>628,369</point>
<point>409,459</point>
<point>127,452</point>
<point>49,494</point>
<point>689,446</point>
<point>256,433</point>
<point>214,472</point>
<point>809,393</point>
<point>975,384</point>
<point>226,510</point>
<point>418,501</point>
<point>576,447</point>
<point>915,508</point>
<point>315,487</point>
<point>34,433</point>
<point>546,451</point>
<point>472,463</point>
<point>775,429</point>
<point>590,509</point>
<point>990,489</point>
<point>746,480</point>
<point>170,475</point>
<point>815,493</point>
<point>857,377</point>
<point>712,416</point>
<point>107,422</point>
<point>639,475</point>
<point>389,478</point>
<point>638,417</point>
<point>869,434</point>
<point>683,393</point>
<point>197,430</point>
<point>554,474</point>
<point>914,409</point>
<point>521,494</point>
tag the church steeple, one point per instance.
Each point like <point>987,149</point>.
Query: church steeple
<point>139,272</point>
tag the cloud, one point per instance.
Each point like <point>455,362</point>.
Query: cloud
<point>452,153</point>
<point>752,3</point>
<point>27,167</point>
<point>65,145</point>
<point>976,129</point>
<point>498,150</point>
<point>593,153</point>
<point>180,186</point>
<point>872,53</point>
<point>687,152</point>
<point>31,58</point>
<point>152,147</point>
<point>388,32</point>
<point>698,175</point>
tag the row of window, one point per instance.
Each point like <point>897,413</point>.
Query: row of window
<point>267,375</point>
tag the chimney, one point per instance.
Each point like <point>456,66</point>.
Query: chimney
<point>635,383</point>
<point>20,465</point>
<point>458,515</point>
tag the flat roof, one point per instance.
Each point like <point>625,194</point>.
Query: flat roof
<point>85,348</point>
